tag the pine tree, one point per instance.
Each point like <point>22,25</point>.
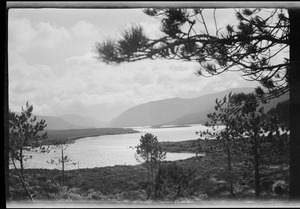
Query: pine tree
<point>151,155</point>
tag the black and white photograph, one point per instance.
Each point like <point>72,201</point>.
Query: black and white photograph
<point>152,104</point>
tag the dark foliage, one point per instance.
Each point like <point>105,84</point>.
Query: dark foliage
<point>174,181</point>
<point>151,154</point>
<point>248,138</point>
<point>282,111</point>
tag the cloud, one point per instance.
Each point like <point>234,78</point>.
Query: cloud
<point>23,86</point>
<point>83,29</point>
<point>28,82</point>
<point>15,108</point>
<point>49,35</point>
<point>43,109</point>
<point>20,69</point>
<point>23,35</point>
<point>152,28</point>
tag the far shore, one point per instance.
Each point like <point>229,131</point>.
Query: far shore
<point>170,126</point>
<point>67,136</point>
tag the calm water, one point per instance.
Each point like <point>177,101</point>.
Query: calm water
<point>110,150</point>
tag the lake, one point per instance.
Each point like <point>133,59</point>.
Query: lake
<point>110,150</point>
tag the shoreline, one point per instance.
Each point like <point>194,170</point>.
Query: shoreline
<point>56,137</point>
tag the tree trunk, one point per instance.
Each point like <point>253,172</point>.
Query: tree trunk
<point>21,163</point>
<point>256,167</point>
<point>229,170</point>
<point>63,165</point>
<point>294,191</point>
<point>148,177</point>
<point>22,181</point>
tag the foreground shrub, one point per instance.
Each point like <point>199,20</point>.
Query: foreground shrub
<point>174,181</point>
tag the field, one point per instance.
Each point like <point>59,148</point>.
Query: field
<point>61,136</point>
<point>127,183</point>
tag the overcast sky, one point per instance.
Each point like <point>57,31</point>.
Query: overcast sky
<point>52,64</point>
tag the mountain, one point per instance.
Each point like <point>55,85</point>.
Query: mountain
<point>201,117</point>
<point>86,122</point>
<point>97,123</point>
<point>55,122</point>
<point>70,121</point>
<point>152,113</point>
<point>178,111</point>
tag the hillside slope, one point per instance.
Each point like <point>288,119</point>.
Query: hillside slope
<point>65,122</point>
<point>57,123</point>
<point>172,111</point>
<point>87,122</point>
<point>201,116</point>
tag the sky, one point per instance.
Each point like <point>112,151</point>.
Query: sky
<point>52,64</point>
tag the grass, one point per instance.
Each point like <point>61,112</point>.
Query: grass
<point>128,183</point>
<point>61,136</point>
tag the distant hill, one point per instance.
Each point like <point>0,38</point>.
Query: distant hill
<point>57,123</point>
<point>87,122</point>
<point>70,121</point>
<point>152,113</point>
<point>178,111</point>
<point>201,117</point>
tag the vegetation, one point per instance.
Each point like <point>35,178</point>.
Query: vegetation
<point>190,146</point>
<point>150,152</point>
<point>24,135</point>
<point>227,138</point>
<point>128,183</point>
<point>282,111</point>
<point>196,178</point>
<point>174,181</point>
<point>246,133</point>
<point>64,160</point>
